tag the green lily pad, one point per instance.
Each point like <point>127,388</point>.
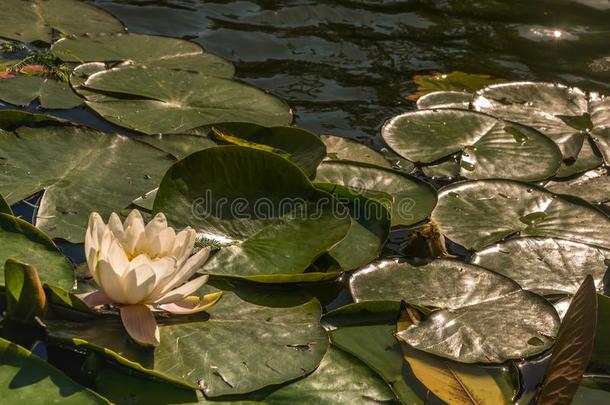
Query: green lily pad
<point>454,81</point>
<point>237,348</point>
<point>11,119</point>
<point>4,207</point>
<point>414,198</point>
<point>35,20</point>
<point>339,148</point>
<point>179,145</point>
<point>158,100</point>
<point>545,265</point>
<point>447,169</point>
<point>81,170</point>
<point>491,148</point>
<point>476,214</point>
<point>366,331</point>
<point>482,317</point>
<point>369,229</point>
<point>271,222</point>
<point>445,99</point>
<point>53,94</point>
<point>26,377</point>
<point>22,241</point>
<point>149,50</point>
<point>587,159</point>
<point>565,114</point>
<point>301,147</point>
<point>593,186</point>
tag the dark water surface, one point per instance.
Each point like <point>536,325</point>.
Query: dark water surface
<point>345,66</point>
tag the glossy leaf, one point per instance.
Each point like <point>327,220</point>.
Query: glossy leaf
<point>573,347</point>
<point>593,186</point>
<point>476,214</point>
<point>414,199</point>
<point>339,148</point>
<point>454,81</point>
<point>491,323</point>
<point>490,148</point>
<point>271,222</point>
<point>600,359</point>
<point>237,348</point>
<point>25,298</point>
<point>79,175</point>
<point>22,241</point>
<point>545,265</point>
<point>53,94</point>
<point>445,99</point>
<point>156,100</point>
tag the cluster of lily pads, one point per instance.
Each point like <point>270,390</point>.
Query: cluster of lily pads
<point>523,202</point>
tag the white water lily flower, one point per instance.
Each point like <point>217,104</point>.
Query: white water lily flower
<point>141,267</point>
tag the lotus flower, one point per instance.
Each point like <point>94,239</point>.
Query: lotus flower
<point>140,268</point>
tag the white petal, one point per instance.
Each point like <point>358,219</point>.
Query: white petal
<point>140,260</point>
<point>110,282</point>
<point>115,225</point>
<point>133,218</point>
<point>140,324</point>
<point>164,242</point>
<point>134,232</point>
<point>189,268</point>
<point>183,245</point>
<point>117,258</point>
<point>91,255</point>
<point>165,269</point>
<point>152,229</point>
<point>192,304</point>
<point>95,228</point>
<point>183,291</point>
<point>139,283</point>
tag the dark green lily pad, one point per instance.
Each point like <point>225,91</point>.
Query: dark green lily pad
<point>149,50</point>
<point>237,348</point>
<point>476,214</point>
<point>369,229</point>
<point>593,186</point>
<point>81,170</point>
<point>414,198</point>
<point>271,222</point>
<point>445,99</point>
<point>491,148</point>
<point>25,377</point>
<point>53,94</point>
<point>11,119</point>
<point>158,100</point>
<point>35,20</point>
<point>179,145</point>
<point>339,148</point>
<point>22,241</point>
<point>545,265</point>
<point>301,147</point>
<point>4,207</point>
<point>453,81</point>
<point>482,317</point>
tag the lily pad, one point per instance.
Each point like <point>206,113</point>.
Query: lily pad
<point>158,100</point>
<point>26,377</point>
<point>35,20</point>
<point>271,222</point>
<point>149,50</point>
<point>414,198</point>
<point>339,148</point>
<point>491,323</point>
<point>447,169</point>
<point>445,99</point>
<point>587,159</point>
<point>80,169</point>
<point>179,145</point>
<point>301,147</point>
<point>237,348</point>
<point>454,81</point>
<point>4,207</point>
<point>23,241</point>
<point>491,148</point>
<point>369,229</point>
<point>593,186</point>
<point>53,94</point>
<point>545,265</point>
<point>476,214</point>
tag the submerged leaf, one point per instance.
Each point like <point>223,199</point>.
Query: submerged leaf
<point>454,81</point>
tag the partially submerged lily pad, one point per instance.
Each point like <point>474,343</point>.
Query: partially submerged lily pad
<point>35,20</point>
<point>482,317</point>
<point>476,214</point>
<point>445,99</point>
<point>80,170</point>
<point>413,198</point>
<point>491,148</point>
<point>545,265</point>
<point>339,148</point>
<point>237,348</point>
<point>52,94</point>
<point>156,100</point>
<point>454,81</point>
<point>268,218</point>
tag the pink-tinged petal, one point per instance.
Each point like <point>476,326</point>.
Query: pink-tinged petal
<point>91,255</point>
<point>95,298</point>
<point>138,283</point>
<point>140,324</point>
<point>183,291</point>
<point>192,304</point>
<point>110,282</point>
<point>189,268</point>
<point>116,226</point>
<point>184,244</point>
